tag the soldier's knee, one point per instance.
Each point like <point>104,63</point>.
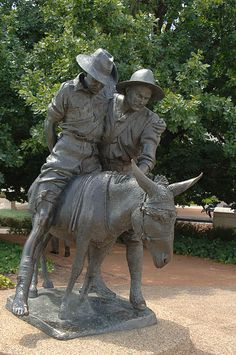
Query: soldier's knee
<point>44,215</point>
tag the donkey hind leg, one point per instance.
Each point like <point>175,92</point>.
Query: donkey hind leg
<point>47,282</point>
<point>33,292</point>
<point>93,282</point>
<point>81,252</point>
<point>67,248</point>
<point>54,245</point>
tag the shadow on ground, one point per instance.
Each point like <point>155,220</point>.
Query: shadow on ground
<point>165,338</point>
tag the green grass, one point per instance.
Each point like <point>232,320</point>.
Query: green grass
<point>18,221</point>
<point>16,214</point>
<point>10,254</point>
<point>6,283</point>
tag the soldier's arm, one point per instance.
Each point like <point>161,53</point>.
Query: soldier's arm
<point>56,112</point>
<point>150,139</point>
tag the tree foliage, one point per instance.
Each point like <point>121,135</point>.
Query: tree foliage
<point>190,46</point>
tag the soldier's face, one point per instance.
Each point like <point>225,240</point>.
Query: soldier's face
<point>93,85</point>
<point>137,96</point>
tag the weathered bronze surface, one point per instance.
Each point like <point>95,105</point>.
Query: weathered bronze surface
<point>106,315</point>
<point>94,188</point>
<point>78,110</point>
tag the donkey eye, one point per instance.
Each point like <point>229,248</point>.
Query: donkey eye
<point>172,215</point>
<point>165,218</point>
<point>161,217</point>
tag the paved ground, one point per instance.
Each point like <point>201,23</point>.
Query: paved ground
<point>193,212</point>
<point>194,300</point>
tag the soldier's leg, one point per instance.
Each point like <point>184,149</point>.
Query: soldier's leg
<point>134,256</point>
<point>41,224</point>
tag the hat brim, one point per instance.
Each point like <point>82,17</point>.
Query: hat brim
<point>86,63</point>
<point>157,92</point>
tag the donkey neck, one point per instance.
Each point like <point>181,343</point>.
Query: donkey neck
<point>123,199</point>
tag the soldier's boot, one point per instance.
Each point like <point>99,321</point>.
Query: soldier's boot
<point>20,306</point>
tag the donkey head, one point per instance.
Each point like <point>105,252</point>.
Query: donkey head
<point>155,218</point>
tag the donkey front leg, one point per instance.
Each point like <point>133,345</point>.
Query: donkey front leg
<point>93,279</point>
<point>81,252</point>
<point>47,282</point>
<point>134,255</point>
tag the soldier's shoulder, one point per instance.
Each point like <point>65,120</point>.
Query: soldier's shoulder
<point>155,118</point>
<point>66,86</point>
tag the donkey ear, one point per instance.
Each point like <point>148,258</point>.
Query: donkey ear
<point>144,182</point>
<point>179,187</point>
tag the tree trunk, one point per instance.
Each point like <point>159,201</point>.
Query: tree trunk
<point>13,205</point>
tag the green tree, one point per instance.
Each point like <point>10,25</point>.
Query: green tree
<point>20,26</point>
<point>190,46</point>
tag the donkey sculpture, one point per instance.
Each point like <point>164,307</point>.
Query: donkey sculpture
<point>109,204</point>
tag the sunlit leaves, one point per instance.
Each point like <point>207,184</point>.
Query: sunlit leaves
<point>189,45</point>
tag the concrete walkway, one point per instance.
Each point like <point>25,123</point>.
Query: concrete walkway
<point>194,300</point>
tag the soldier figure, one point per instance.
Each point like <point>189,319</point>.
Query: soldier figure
<point>78,111</point>
<point>132,131</point>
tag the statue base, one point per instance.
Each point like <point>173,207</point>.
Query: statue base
<point>103,316</point>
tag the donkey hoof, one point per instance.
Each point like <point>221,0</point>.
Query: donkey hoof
<point>33,293</point>
<point>63,314</point>
<point>48,284</point>
<point>140,306</point>
<point>67,252</point>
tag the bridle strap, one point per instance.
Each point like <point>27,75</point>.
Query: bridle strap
<point>144,212</point>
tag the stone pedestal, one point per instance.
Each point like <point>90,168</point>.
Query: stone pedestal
<point>103,315</point>
<point>224,217</point>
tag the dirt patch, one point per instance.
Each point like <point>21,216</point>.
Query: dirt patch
<point>183,270</point>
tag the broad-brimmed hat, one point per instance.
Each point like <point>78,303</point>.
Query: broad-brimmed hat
<point>144,77</point>
<point>99,65</point>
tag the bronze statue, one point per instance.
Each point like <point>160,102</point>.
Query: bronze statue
<point>74,199</point>
<point>77,109</point>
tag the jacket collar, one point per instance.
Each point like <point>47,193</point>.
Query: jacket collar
<point>79,83</point>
